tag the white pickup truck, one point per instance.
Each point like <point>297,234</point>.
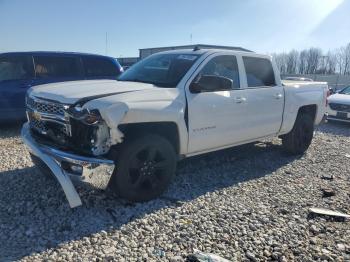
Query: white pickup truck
<point>129,134</point>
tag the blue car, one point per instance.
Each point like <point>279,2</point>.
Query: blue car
<point>21,70</point>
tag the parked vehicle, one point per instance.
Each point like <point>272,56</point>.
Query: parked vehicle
<point>21,70</point>
<point>129,134</point>
<point>339,106</point>
<point>296,78</point>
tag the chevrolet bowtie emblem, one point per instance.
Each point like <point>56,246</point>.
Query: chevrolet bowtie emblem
<point>36,116</point>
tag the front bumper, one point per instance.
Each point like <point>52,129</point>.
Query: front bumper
<point>332,115</point>
<point>67,167</point>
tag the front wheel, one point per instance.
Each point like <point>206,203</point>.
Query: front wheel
<point>299,139</point>
<point>145,167</point>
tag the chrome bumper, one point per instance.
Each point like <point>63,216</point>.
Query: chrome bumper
<point>64,166</point>
<point>338,119</point>
<point>334,117</point>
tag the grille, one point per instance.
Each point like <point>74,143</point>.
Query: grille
<point>42,126</point>
<point>38,125</point>
<point>45,115</point>
<point>340,107</point>
<point>45,107</point>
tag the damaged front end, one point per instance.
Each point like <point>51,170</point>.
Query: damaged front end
<point>72,141</point>
<point>68,127</point>
<point>90,133</point>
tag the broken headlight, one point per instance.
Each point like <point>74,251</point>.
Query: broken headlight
<point>89,117</point>
<point>92,118</point>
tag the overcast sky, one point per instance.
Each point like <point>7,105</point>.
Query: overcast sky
<point>261,25</point>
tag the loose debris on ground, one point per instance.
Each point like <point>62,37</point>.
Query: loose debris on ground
<point>249,203</point>
<point>327,212</point>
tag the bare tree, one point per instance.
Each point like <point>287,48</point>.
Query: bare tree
<point>313,60</point>
<point>281,62</point>
<point>339,61</point>
<point>346,59</point>
<point>292,62</point>
<point>303,60</point>
<point>331,63</point>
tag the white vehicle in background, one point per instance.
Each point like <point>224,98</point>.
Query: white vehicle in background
<point>339,106</point>
<point>129,134</point>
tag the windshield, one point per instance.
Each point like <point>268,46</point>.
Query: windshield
<point>345,91</point>
<point>164,70</point>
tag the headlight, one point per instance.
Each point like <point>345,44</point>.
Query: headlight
<point>92,118</point>
<point>89,117</point>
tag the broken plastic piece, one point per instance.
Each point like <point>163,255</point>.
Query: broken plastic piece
<point>199,256</point>
<point>327,177</point>
<point>327,212</point>
<point>327,192</point>
<point>159,252</point>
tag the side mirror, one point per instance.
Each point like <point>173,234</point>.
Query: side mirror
<point>211,83</point>
<point>195,88</point>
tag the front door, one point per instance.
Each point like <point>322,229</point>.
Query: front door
<point>213,116</point>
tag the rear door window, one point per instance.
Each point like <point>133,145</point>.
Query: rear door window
<point>259,72</point>
<point>57,67</point>
<point>16,67</point>
<point>100,67</point>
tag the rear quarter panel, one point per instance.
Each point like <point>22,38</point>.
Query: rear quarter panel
<point>303,94</point>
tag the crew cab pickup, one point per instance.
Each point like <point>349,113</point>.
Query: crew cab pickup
<point>129,134</point>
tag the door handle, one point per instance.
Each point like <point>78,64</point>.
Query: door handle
<point>278,96</point>
<point>240,100</point>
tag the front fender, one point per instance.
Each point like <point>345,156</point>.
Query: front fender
<point>119,113</point>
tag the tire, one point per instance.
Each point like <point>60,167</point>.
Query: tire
<point>298,140</point>
<point>144,168</point>
<point>44,169</point>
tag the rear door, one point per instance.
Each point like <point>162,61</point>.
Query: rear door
<point>96,67</point>
<point>16,77</point>
<point>264,98</point>
<point>57,68</point>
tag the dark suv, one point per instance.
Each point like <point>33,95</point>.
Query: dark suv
<point>22,70</point>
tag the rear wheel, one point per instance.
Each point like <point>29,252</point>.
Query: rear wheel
<point>299,139</point>
<point>145,167</point>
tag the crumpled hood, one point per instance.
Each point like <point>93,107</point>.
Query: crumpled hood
<point>73,91</point>
<point>340,99</point>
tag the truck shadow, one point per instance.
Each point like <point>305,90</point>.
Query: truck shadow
<point>335,128</point>
<point>35,216</point>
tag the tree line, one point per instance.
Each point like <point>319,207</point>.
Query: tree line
<point>314,61</point>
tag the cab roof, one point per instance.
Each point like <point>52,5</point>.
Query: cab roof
<point>212,51</point>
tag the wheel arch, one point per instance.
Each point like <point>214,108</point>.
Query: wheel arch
<point>290,116</point>
<point>309,109</point>
<point>168,130</point>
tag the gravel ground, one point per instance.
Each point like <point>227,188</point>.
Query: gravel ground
<point>245,204</point>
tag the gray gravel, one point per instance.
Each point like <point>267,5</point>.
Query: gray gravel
<point>245,204</point>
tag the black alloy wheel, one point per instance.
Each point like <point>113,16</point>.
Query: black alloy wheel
<point>144,168</point>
